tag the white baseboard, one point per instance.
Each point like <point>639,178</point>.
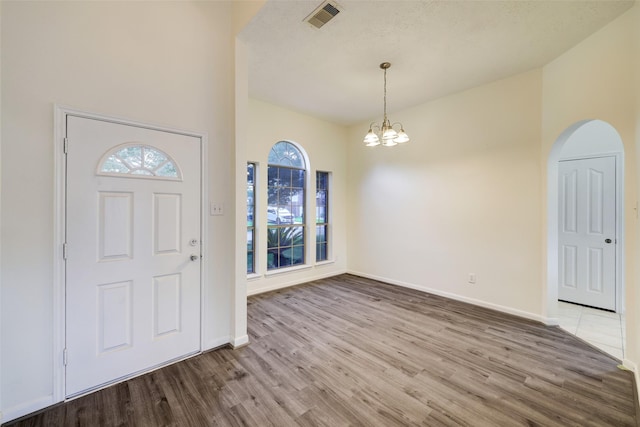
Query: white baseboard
<point>300,281</point>
<point>26,408</point>
<point>633,367</point>
<point>240,341</point>
<point>480,303</point>
<point>551,321</point>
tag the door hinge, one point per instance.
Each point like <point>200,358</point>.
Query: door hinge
<point>65,145</point>
<point>64,357</point>
<point>64,251</point>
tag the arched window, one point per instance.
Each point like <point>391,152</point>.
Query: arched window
<point>135,160</point>
<point>286,177</point>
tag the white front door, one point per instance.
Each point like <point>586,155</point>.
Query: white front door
<point>587,234</point>
<point>133,250</point>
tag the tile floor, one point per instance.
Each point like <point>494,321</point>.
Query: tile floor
<point>600,328</point>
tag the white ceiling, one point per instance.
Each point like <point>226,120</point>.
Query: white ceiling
<point>435,47</point>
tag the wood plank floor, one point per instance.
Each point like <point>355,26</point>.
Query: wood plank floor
<point>348,351</point>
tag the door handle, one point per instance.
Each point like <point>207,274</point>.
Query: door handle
<point>607,240</point>
<point>194,257</point>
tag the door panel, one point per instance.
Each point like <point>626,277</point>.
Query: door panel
<point>115,225</point>
<point>114,316</point>
<point>132,290</point>
<point>167,220</point>
<point>587,233</point>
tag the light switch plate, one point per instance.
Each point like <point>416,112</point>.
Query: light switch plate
<point>216,208</point>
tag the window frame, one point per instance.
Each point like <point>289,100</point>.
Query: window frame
<point>327,217</point>
<point>252,228</point>
<point>281,215</point>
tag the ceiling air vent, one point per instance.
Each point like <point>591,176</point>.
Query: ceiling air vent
<point>323,14</point>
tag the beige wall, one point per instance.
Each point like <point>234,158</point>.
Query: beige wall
<point>462,197</point>
<point>595,80</point>
<point>325,146</point>
<point>171,65</point>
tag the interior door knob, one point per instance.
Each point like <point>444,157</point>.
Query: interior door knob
<point>195,257</point>
<point>607,240</point>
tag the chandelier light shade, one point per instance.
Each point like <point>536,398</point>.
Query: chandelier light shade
<point>385,134</point>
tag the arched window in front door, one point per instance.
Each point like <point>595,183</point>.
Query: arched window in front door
<point>134,160</point>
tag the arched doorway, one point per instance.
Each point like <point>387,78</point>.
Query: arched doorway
<point>584,142</point>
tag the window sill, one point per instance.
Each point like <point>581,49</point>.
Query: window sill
<point>253,276</point>
<point>329,261</point>
<point>287,270</point>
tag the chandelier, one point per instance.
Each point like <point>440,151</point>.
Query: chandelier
<point>385,133</point>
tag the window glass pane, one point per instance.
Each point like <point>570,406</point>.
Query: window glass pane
<point>322,179</point>
<point>321,252</point>
<point>250,239</point>
<point>297,255</point>
<point>284,177</point>
<point>153,158</point>
<point>290,236</point>
<point>250,174</point>
<point>250,265</point>
<point>321,214</point>
<point>297,196</point>
<point>250,194</point>
<point>250,213</point>
<point>279,215</point>
<point>273,259</point>
<point>272,214</point>
<point>290,247</point>
<point>272,176</point>
<point>297,178</point>
<point>297,205</point>
<point>321,233</point>
<point>284,216</point>
<point>286,154</point>
<point>284,197</point>
<point>272,238</point>
<point>286,259</point>
<point>132,156</point>
<point>141,172</point>
<point>321,198</point>
<point>168,170</point>
<point>114,165</point>
<point>299,217</point>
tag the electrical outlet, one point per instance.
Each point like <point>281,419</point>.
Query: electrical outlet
<point>472,278</point>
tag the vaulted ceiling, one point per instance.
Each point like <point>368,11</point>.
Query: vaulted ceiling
<point>435,47</point>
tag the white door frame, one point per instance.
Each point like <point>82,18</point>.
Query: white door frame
<point>59,230</point>
<point>552,222</point>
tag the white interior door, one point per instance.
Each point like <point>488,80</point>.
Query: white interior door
<point>587,234</point>
<point>133,250</point>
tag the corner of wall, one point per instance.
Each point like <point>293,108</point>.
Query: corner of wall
<point>243,12</point>
<point>241,100</point>
<point>633,367</point>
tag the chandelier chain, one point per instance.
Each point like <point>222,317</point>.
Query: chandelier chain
<point>385,94</point>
